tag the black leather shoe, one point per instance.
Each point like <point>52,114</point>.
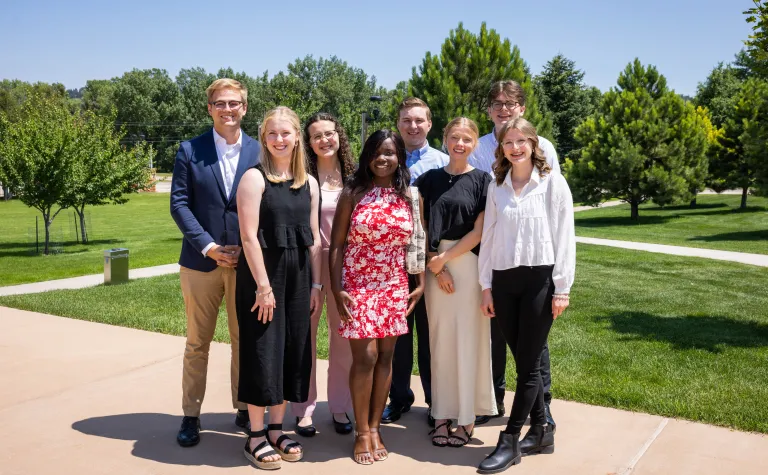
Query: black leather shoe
<point>506,454</point>
<point>305,431</point>
<point>430,419</point>
<point>242,419</point>
<point>393,412</point>
<point>550,420</point>
<point>480,420</point>
<point>342,427</point>
<point>189,434</point>
<point>540,439</point>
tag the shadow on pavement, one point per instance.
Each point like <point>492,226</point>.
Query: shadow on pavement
<point>221,442</point>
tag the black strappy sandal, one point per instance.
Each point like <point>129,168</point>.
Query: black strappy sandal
<point>437,438</point>
<point>462,439</point>
<point>287,456</point>
<point>258,460</point>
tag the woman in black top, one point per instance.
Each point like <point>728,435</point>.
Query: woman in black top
<point>278,274</point>
<point>453,204</point>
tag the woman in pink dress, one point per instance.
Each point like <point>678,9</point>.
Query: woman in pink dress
<point>331,163</point>
<point>371,228</point>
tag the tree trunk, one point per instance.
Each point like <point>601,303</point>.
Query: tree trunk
<point>81,216</point>
<point>47,223</point>
<point>634,205</point>
<point>693,202</point>
<point>744,197</point>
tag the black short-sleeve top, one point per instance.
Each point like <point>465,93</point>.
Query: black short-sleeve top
<point>452,203</point>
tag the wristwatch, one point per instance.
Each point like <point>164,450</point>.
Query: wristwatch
<point>317,286</point>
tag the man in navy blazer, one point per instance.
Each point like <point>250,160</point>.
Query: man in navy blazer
<point>206,174</point>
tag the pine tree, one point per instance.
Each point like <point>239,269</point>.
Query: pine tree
<point>456,81</point>
<point>563,94</point>
<point>643,143</point>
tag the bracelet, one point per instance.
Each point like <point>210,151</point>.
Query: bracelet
<point>561,296</point>
<point>442,271</point>
<point>259,294</point>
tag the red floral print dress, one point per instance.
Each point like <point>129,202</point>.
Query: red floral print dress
<point>374,265</point>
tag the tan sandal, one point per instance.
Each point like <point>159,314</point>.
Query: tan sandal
<point>284,454</point>
<point>369,452</point>
<point>378,445</point>
<point>258,460</point>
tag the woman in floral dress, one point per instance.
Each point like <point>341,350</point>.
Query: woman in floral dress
<point>371,228</point>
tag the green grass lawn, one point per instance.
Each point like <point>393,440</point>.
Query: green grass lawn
<point>143,225</point>
<point>675,336</point>
<point>715,223</point>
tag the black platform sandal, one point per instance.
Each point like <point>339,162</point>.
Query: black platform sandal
<point>436,439</point>
<point>464,441</point>
<point>258,460</point>
<point>287,456</point>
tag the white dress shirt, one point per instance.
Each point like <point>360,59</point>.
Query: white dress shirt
<point>484,154</point>
<point>533,229</point>
<point>229,157</point>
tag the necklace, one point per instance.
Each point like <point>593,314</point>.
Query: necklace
<point>451,175</point>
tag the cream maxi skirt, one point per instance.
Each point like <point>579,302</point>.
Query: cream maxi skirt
<point>459,343</point>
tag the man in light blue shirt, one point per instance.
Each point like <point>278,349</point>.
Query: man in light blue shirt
<point>506,101</point>
<point>414,123</point>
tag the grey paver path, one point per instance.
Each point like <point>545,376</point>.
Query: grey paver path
<point>85,398</point>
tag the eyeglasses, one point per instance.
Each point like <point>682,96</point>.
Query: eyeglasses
<point>221,105</point>
<point>498,105</point>
<point>328,134</point>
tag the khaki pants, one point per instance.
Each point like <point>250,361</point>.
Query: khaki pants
<point>202,293</point>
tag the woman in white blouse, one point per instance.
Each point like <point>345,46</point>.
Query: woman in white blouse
<point>527,264</point>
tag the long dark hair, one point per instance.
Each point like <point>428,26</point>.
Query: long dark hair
<point>363,177</point>
<point>346,161</point>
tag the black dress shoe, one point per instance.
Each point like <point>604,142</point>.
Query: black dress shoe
<point>342,427</point>
<point>242,419</point>
<point>189,434</point>
<point>305,431</point>
<point>540,439</point>
<point>480,420</point>
<point>393,412</point>
<point>506,454</point>
<point>550,420</point>
<point>430,419</point>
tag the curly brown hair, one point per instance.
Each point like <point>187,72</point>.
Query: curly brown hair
<point>502,166</point>
<point>346,161</point>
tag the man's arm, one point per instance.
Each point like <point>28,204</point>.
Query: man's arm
<point>180,198</point>
<point>550,154</point>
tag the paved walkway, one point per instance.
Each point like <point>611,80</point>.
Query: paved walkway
<point>742,257</point>
<point>86,398</point>
<point>84,281</point>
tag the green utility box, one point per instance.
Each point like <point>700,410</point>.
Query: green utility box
<point>116,266</point>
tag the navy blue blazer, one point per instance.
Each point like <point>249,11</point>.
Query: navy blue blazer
<point>199,203</point>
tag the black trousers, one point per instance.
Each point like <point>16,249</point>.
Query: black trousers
<point>499,365</point>
<point>402,363</point>
<point>275,357</point>
<point>522,299</point>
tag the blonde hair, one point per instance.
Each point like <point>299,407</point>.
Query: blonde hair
<point>502,166</point>
<point>462,122</point>
<point>226,83</point>
<point>299,157</point>
<point>410,102</point>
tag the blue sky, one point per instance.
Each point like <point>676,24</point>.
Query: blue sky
<point>71,42</point>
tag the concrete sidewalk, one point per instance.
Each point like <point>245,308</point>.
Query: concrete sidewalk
<point>85,398</point>
<point>741,257</point>
<point>84,281</point>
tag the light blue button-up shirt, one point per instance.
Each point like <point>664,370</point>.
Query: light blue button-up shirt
<point>484,154</point>
<point>423,160</point>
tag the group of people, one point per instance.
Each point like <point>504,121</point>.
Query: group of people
<point>474,248</point>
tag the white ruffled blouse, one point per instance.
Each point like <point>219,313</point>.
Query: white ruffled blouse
<point>533,229</point>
